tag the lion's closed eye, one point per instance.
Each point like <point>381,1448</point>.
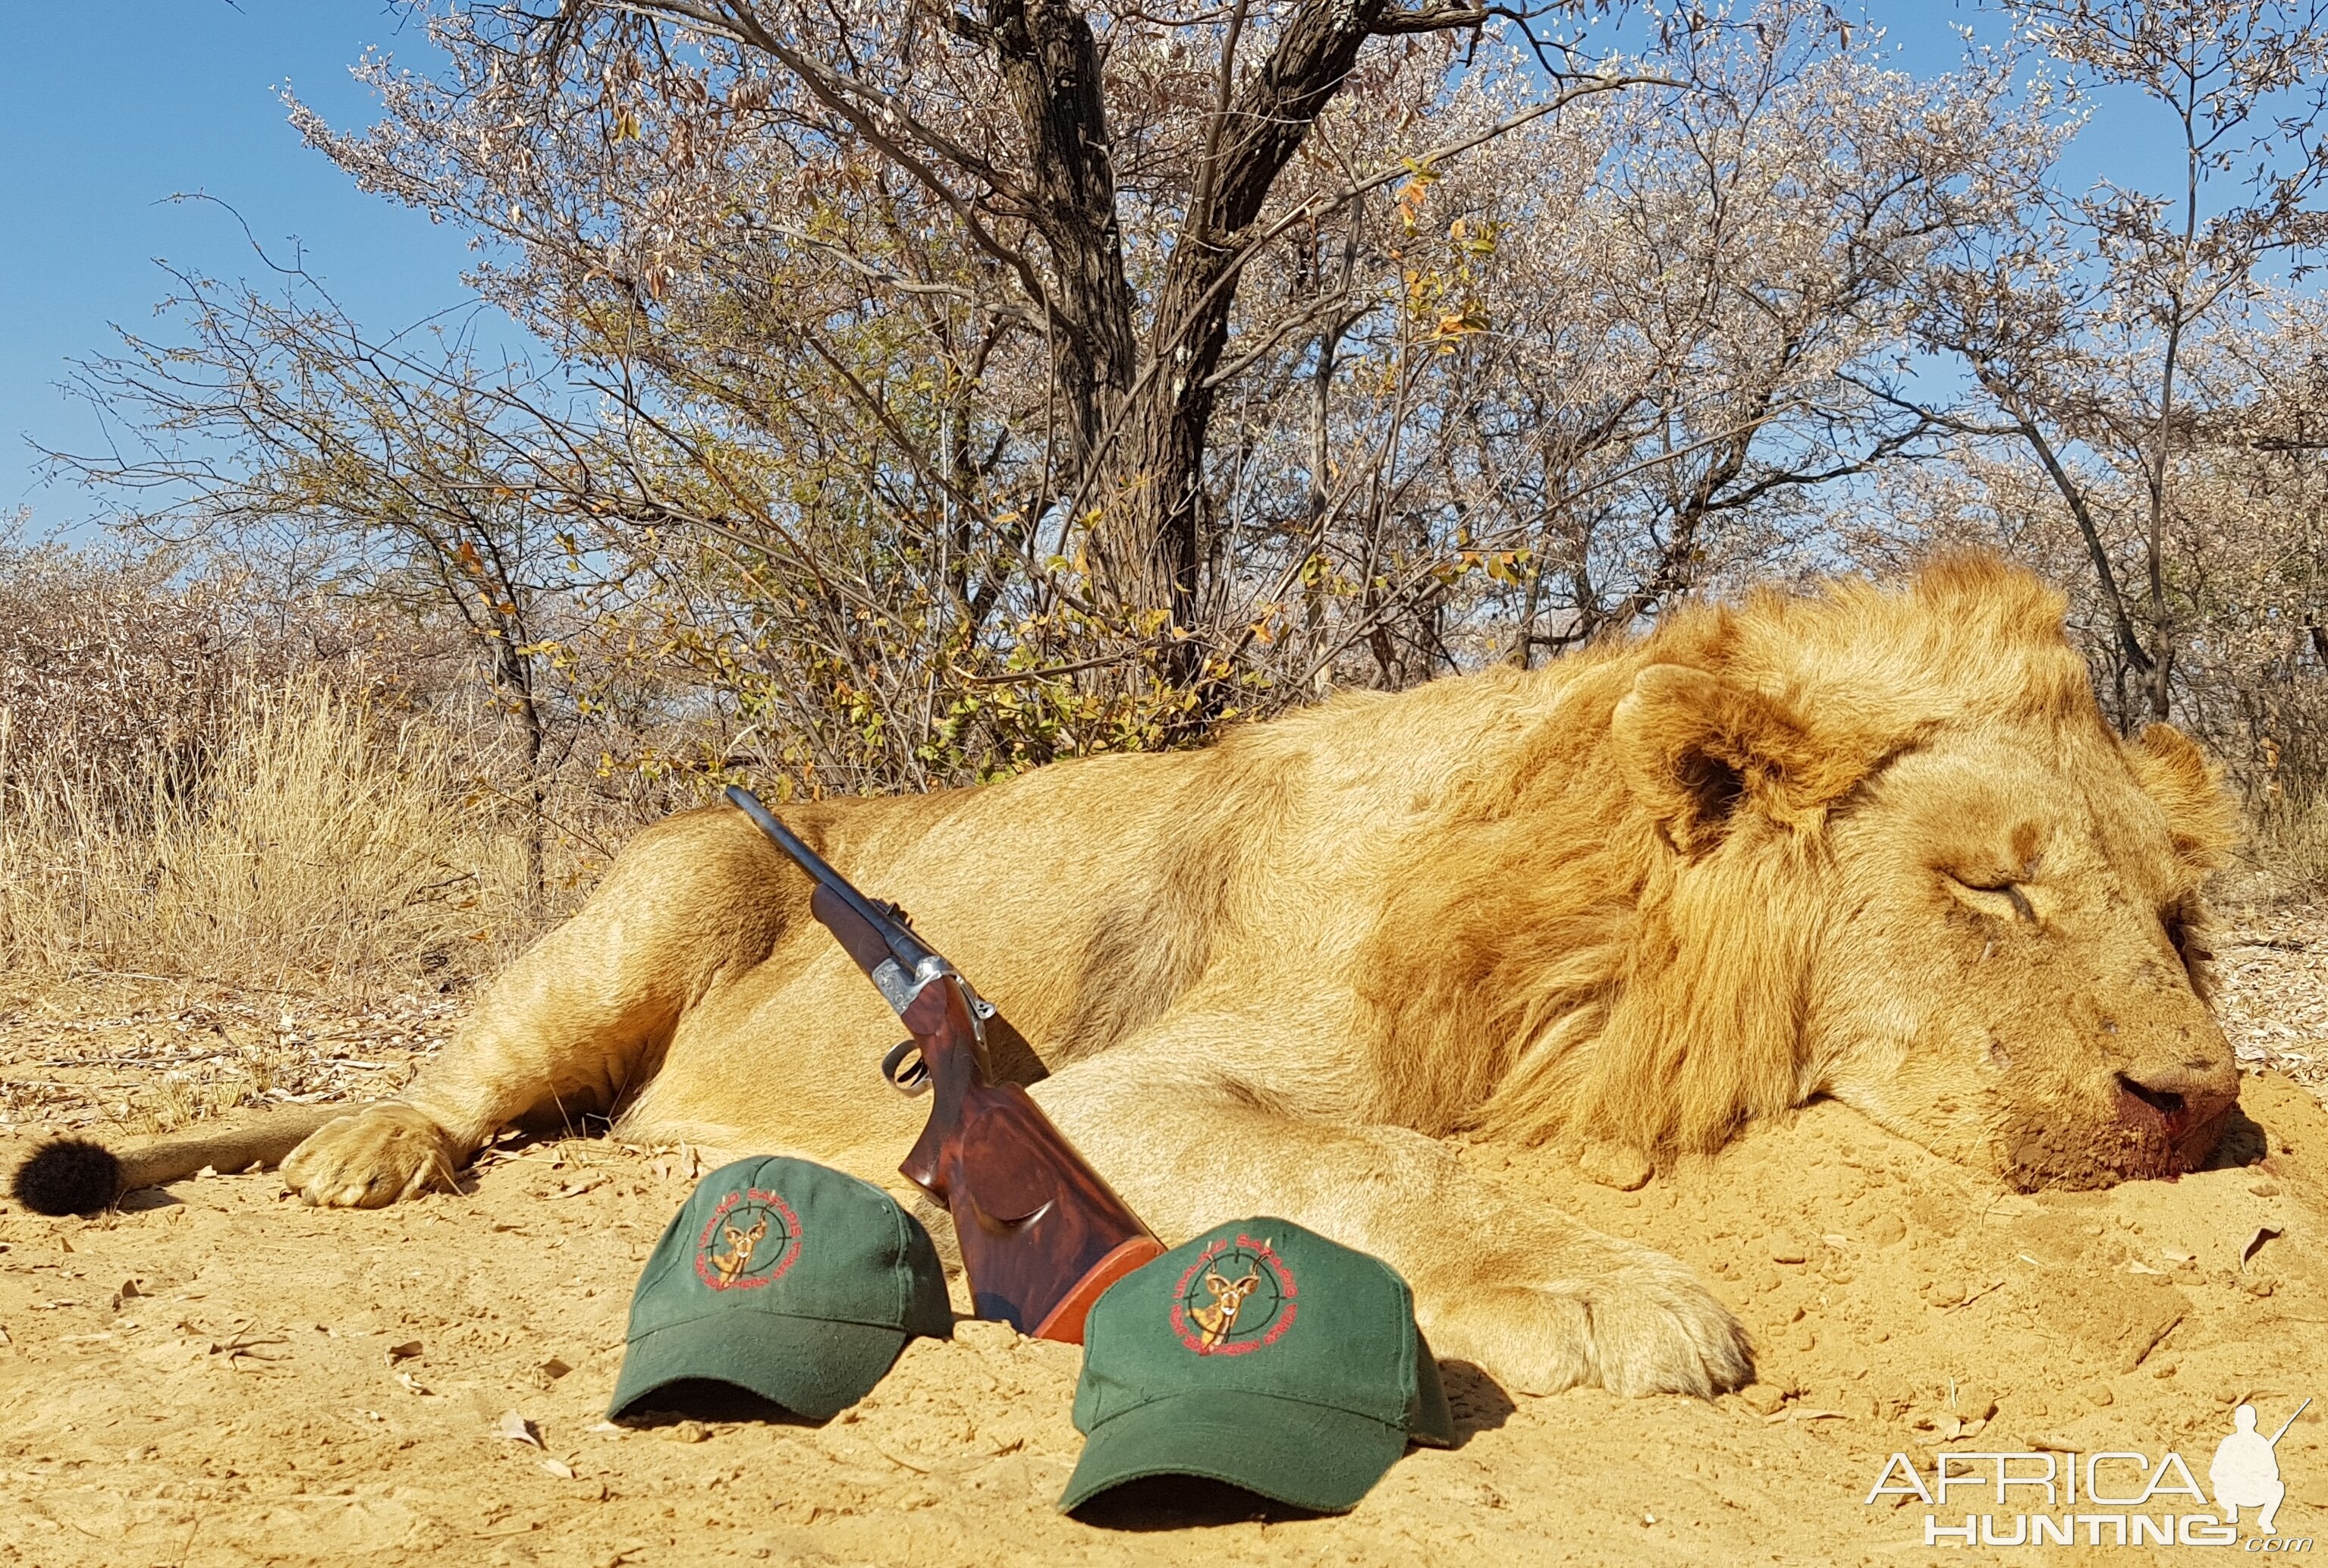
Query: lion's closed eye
<point>1999,898</point>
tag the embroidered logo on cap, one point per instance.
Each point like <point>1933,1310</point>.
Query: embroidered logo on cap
<point>750,1240</point>
<point>1237,1297</point>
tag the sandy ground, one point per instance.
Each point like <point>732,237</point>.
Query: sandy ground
<point>215,1376</point>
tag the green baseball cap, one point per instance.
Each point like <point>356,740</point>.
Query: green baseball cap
<point>787,1279</point>
<point>1262,1355</point>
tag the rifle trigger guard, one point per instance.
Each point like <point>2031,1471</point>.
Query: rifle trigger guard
<point>912,1082</point>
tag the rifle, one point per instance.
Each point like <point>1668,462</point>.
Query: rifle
<point>1042,1234</point>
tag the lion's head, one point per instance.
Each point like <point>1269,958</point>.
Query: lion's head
<point>2015,973</point>
<point>2018,971</point>
<point>1875,844</point>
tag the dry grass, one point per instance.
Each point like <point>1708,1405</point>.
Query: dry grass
<point>2286,857</point>
<point>318,847</point>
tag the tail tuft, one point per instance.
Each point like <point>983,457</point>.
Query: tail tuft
<point>68,1176</point>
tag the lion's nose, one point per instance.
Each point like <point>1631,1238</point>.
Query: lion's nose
<point>2186,1101</point>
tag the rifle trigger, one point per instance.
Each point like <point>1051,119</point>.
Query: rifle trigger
<point>911,1081</point>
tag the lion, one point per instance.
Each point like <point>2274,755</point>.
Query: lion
<point>1872,842</point>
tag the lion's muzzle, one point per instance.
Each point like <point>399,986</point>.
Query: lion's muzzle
<point>2182,1109</point>
<point>2148,1123</point>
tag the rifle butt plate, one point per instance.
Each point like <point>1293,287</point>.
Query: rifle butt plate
<point>1065,1322</point>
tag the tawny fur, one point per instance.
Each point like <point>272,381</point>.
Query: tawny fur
<point>1876,843</point>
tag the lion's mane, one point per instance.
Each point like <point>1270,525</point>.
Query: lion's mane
<point>1608,925</point>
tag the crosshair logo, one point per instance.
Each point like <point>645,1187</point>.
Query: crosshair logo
<point>1237,1297</point>
<point>750,1240</point>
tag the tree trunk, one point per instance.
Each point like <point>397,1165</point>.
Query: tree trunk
<point>1051,68</point>
<point>513,673</point>
<point>1150,539</point>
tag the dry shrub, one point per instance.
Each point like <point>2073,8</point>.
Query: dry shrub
<point>106,658</point>
<point>2283,860</point>
<point>318,846</point>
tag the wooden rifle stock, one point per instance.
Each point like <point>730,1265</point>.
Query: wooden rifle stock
<point>1042,1234</point>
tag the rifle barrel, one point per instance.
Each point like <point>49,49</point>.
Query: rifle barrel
<point>903,945</point>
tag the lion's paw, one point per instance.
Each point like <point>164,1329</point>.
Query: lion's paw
<point>382,1154</point>
<point>1646,1326</point>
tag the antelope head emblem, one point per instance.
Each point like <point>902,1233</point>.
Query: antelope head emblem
<point>1228,1295</point>
<point>730,1264</point>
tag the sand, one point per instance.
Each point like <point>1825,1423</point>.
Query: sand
<point>215,1375</point>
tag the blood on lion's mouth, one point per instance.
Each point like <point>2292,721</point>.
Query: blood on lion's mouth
<point>2153,1136</point>
<point>2188,1124</point>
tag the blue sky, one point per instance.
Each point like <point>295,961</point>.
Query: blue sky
<point>113,107</point>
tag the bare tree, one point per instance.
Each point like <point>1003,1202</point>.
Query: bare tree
<point>1095,189</point>
<point>830,465</point>
<point>408,471</point>
<point>2076,329</point>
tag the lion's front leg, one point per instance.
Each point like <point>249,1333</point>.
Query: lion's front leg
<point>379,1155</point>
<point>557,1031</point>
<point>1537,1300</point>
<point>580,1023</point>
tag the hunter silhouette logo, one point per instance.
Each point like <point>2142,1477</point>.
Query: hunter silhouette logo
<point>2246,1471</point>
<point>1237,1297</point>
<point>750,1240</point>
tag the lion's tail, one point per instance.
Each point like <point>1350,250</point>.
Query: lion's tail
<point>75,1176</point>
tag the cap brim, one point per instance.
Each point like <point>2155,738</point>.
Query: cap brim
<point>812,1366</point>
<point>1311,1456</point>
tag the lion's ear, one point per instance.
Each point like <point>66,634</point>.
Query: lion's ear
<point>1698,750</point>
<point>2200,816</point>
